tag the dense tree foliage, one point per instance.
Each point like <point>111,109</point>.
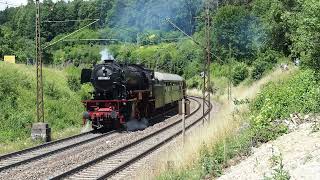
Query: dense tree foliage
<point>17,25</point>
<point>238,32</point>
<point>130,21</point>
<point>246,31</point>
<point>305,32</point>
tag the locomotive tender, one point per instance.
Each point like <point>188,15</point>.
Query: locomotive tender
<point>128,92</point>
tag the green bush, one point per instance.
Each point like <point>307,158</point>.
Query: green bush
<point>73,82</point>
<point>259,68</point>
<point>270,56</point>
<point>221,70</point>
<point>211,159</point>
<point>265,61</point>
<point>51,90</point>
<point>239,73</point>
<point>85,91</point>
<point>78,54</point>
<point>73,78</point>
<point>299,93</point>
<point>18,101</point>
<point>194,82</point>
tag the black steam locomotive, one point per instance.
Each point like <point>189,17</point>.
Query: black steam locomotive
<point>125,92</point>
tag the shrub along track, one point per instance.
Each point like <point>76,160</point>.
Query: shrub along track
<point>117,160</point>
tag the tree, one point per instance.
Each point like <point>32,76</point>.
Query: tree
<point>271,12</point>
<point>237,30</point>
<point>305,36</point>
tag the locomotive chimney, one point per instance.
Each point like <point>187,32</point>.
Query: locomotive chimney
<point>106,55</point>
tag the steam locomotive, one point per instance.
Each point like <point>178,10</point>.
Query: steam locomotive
<point>128,92</point>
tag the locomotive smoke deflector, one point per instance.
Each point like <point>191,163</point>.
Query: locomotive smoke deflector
<point>86,76</point>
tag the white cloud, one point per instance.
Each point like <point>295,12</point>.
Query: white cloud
<point>12,3</point>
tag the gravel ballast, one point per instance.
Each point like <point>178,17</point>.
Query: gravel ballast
<point>143,168</point>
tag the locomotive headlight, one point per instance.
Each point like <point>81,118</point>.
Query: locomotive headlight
<point>113,114</point>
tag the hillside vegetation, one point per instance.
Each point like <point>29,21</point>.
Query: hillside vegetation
<point>237,127</point>
<point>63,106</point>
<point>297,94</point>
<point>247,35</point>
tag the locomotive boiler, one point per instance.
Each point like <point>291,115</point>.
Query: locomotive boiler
<point>127,92</point>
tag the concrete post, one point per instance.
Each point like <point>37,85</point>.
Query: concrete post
<point>41,131</point>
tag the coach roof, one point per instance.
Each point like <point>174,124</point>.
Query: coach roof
<point>167,77</point>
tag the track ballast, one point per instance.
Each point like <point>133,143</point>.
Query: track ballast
<point>112,162</point>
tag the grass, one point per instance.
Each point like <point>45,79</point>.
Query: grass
<point>28,142</point>
<point>279,173</point>
<point>315,126</point>
<point>17,145</point>
<point>63,106</point>
<point>210,149</point>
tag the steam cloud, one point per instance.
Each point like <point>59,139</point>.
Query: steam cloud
<point>148,15</point>
<point>106,55</point>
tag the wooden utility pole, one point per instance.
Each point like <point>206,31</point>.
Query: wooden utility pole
<point>40,105</point>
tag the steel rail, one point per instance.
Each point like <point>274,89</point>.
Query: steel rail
<point>41,146</point>
<point>158,145</point>
<point>122,148</point>
<point>52,144</point>
<point>36,157</point>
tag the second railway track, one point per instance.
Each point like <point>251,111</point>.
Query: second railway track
<point>112,162</point>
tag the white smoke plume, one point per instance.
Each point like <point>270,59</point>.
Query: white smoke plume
<point>106,55</point>
<point>149,15</point>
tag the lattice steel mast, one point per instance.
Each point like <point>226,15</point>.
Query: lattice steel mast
<point>206,64</point>
<point>40,102</point>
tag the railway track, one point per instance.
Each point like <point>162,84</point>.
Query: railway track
<point>31,154</point>
<point>112,162</point>
<point>18,158</point>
